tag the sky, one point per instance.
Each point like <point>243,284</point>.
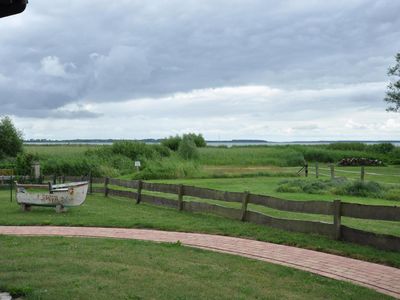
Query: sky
<point>229,69</point>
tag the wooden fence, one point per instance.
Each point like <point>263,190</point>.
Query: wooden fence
<point>336,209</point>
<point>133,189</point>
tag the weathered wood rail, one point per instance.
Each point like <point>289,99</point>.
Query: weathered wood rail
<point>336,209</point>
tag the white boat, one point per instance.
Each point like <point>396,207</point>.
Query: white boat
<point>59,196</point>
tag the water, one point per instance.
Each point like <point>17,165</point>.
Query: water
<point>209,143</point>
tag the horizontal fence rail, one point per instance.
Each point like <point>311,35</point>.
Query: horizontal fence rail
<point>291,225</point>
<point>374,212</point>
<point>311,207</point>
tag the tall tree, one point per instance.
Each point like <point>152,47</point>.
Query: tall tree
<point>10,138</point>
<point>393,89</point>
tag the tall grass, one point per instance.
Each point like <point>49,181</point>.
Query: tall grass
<point>251,156</point>
<point>159,162</point>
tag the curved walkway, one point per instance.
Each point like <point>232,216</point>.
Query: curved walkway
<point>378,277</point>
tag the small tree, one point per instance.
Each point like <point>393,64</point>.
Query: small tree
<point>10,138</point>
<point>187,148</point>
<point>198,139</point>
<point>393,89</point>
<point>172,142</point>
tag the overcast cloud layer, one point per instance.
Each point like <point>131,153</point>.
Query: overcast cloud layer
<point>274,70</point>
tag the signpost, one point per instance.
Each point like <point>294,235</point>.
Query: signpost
<point>137,165</point>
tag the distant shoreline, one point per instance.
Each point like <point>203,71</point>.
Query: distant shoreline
<point>250,142</point>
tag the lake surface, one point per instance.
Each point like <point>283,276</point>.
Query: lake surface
<point>215,143</point>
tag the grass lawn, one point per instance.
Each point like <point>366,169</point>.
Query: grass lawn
<point>120,212</point>
<point>82,268</point>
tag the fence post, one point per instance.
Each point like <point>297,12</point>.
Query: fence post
<point>245,201</point>
<point>332,171</point>
<point>54,179</point>
<point>50,192</point>
<point>106,181</point>
<point>337,219</point>
<point>90,183</point>
<point>362,175</point>
<point>11,188</point>
<point>63,179</point>
<point>306,169</point>
<point>180,197</point>
<point>139,192</point>
<point>316,170</point>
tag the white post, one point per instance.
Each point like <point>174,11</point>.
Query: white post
<point>36,170</point>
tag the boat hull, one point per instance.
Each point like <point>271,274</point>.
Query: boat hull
<point>66,195</point>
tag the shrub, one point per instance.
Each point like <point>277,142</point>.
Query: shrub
<point>134,150</point>
<point>162,150</point>
<point>8,163</point>
<point>394,156</point>
<point>10,138</point>
<point>197,138</point>
<point>383,148</point>
<point>172,142</point>
<point>24,163</point>
<point>76,166</point>
<point>362,189</point>
<point>187,149</point>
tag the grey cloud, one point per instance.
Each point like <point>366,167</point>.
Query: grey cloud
<point>113,51</point>
<point>74,114</point>
<point>306,127</point>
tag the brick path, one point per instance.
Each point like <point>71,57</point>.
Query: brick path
<point>378,277</point>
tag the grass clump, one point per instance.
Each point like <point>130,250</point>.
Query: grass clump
<point>304,186</point>
<point>362,189</point>
<point>339,186</point>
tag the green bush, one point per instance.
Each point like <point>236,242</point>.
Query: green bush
<point>197,138</point>
<point>8,163</point>
<point>187,149</point>
<point>394,156</point>
<point>172,142</point>
<point>162,150</point>
<point>24,163</point>
<point>383,148</point>
<point>362,189</point>
<point>78,166</point>
<point>133,150</point>
<point>11,142</point>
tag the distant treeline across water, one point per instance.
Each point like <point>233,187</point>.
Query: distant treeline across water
<point>209,143</point>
